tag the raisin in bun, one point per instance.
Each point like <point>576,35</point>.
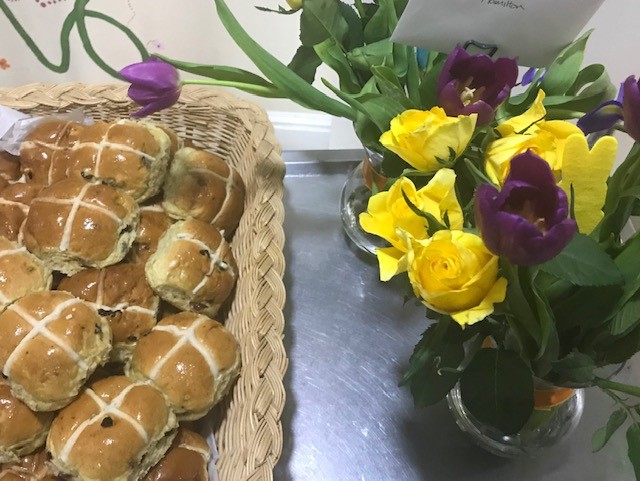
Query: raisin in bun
<point>44,154</point>
<point>153,224</point>
<point>115,431</point>
<point>15,200</point>
<point>22,430</point>
<point>21,273</point>
<point>201,185</point>
<point>193,268</point>
<point>187,460</point>
<point>131,156</point>
<point>51,343</point>
<point>121,294</point>
<point>74,224</point>
<point>192,359</point>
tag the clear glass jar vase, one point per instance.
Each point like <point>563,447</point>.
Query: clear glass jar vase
<point>355,198</point>
<point>556,415</point>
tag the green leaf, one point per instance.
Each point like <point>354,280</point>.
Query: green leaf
<point>413,76</point>
<point>583,263</point>
<point>377,107</point>
<point>627,318</point>
<point>372,55</point>
<point>575,367</point>
<point>400,60</point>
<point>355,34</point>
<point>549,349</point>
<point>331,53</point>
<point>428,90</point>
<point>305,63</point>
<point>619,350</point>
<point>628,262</point>
<point>393,165</point>
<point>289,83</point>
<point>320,20</point>
<point>564,70</point>
<point>497,388</point>
<point>382,23</point>
<point>586,307</point>
<point>389,85</point>
<point>633,442</point>
<point>601,436</point>
<point>281,10</point>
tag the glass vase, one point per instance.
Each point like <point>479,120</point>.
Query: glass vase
<point>355,198</point>
<point>556,415</point>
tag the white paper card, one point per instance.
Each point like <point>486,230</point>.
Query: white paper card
<point>534,31</point>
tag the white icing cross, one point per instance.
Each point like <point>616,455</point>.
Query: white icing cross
<point>41,327</point>
<point>185,336</point>
<point>112,408</point>
<point>214,259</point>
<point>75,203</point>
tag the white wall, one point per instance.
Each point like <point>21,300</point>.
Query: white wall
<point>190,30</point>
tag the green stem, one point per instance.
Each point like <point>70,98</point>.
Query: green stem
<point>617,386</point>
<point>67,25</point>
<point>86,41</point>
<point>260,90</point>
<point>144,53</point>
<point>622,404</point>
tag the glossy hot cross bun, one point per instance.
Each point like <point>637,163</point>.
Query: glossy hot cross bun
<point>192,359</point>
<point>187,460</point>
<point>115,431</point>
<point>74,224</point>
<point>51,343</point>
<point>121,294</point>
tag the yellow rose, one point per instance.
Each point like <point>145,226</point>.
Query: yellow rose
<point>295,4</point>
<point>528,131</point>
<point>454,273</point>
<point>420,137</point>
<point>388,214</point>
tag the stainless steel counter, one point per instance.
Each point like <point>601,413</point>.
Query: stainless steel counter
<point>349,337</point>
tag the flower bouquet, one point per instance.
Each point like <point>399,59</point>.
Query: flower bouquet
<point>504,216</point>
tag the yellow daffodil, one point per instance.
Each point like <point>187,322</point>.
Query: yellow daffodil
<point>454,273</point>
<point>389,216</point>
<point>420,137</point>
<point>528,131</point>
<point>587,171</point>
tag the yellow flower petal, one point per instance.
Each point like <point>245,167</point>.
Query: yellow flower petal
<point>496,295</point>
<point>518,124</point>
<point>587,171</point>
<point>392,261</point>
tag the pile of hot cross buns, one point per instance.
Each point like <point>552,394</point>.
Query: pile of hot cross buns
<point>114,262</point>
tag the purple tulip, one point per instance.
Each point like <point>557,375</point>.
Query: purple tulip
<point>475,84</point>
<point>631,107</point>
<point>526,221</point>
<point>155,85</point>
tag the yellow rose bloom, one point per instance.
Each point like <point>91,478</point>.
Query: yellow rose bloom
<point>528,131</point>
<point>388,214</point>
<point>295,4</point>
<point>454,273</point>
<point>420,137</point>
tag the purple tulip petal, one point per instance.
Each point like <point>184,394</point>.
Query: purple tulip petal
<point>526,221</point>
<point>604,117</point>
<point>157,105</point>
<point>631,107</point>
<point>151,73</point>
<point>475,84</point>
<point>528,76</point>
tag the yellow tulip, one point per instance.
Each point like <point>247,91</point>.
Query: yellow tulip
<point>389,216</point>
<point>295,4</point>
<point>420,137</point>
<point>454,273</point>
<point>528,131</point>
<point>587,172</point>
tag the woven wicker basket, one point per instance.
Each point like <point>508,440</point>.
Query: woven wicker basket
<point>247,427</point>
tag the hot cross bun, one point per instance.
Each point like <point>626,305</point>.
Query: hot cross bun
<point>154,222</point>
<point>193,268</point>
<point>74,224</point>
<point>192,359</point>
<point>51,343</point>
<point>203,186</point>
<point>21,273</point>
<point>186,460</point>
<point>121,294</point>
<point>115,431</point>
<point>131,156</point>
<point>22,431</point>
<point>15,200</point>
